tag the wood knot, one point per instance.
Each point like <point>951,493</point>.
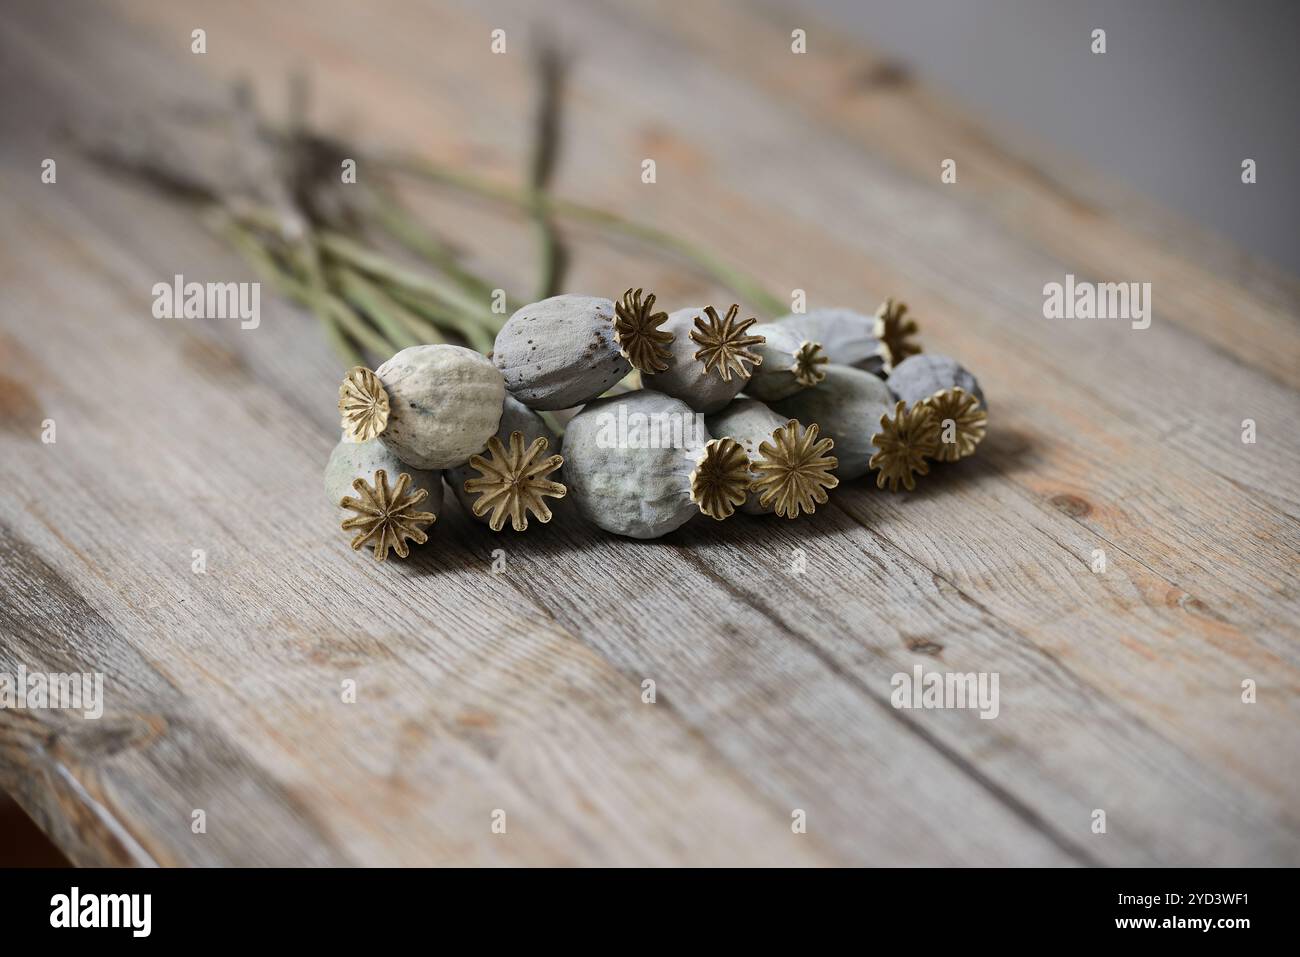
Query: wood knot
<point>1071,505</point>
<point>882,75</point>
<point>109,737</point>
<point>19,410</point>
<point>1194,606</point>
<point>922,645</point>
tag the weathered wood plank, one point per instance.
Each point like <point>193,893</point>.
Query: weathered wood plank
<point>522,690</point>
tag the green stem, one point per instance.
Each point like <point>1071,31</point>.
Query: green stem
<point>289,286</point>
<point>739,282</point>
<point>403,226</point>
<point>418,325</point>
<point>472,332</point>
<point>321,299</point>
<point>549,67</point>
<point>382,311</point>
<point>393,274</point>
<point>438,303</point>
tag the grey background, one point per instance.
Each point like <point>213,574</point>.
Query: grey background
<point>1185,91</point>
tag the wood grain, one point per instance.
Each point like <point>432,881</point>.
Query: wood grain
<point>521,690</point>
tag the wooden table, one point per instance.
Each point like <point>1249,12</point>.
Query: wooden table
<point>521,691</point>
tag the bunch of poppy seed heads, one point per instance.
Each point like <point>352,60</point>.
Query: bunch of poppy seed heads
<point>775,399</point>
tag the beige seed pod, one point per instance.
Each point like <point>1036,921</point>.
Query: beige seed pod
<point>794,470</point>
<point>386,517</point>
<point>444,403</point>
<point>363,405</point>
<point>560,352</point>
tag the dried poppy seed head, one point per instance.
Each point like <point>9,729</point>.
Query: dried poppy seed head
<point>750,423</point>
<point>363,405</point>
<point>560,352</point>
<point>894,328</point>
<point>515,417</point>
<point>919,377</point>
<point>350,461</point>
<point>628,460</point>
<point>636,330</point>
<point>703,348</point>
<point>847,337</point>
<point>794,470</point>
<point>387,517</point>
<point>807,358</point>
<point>903,444</point>
<point>846,405</point>
<point>790,363</point>
<point>724,345</point>
<point>445,402</point>
<point>512,482</point>
<point>721,480</point>
<point>962,423</point>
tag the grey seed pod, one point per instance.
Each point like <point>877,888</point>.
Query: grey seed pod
<point>791,363</point>
<point>846,337</point>
<point>515,417</point>
<point>750,423</point>
<point>444,403</point>
<point>628,461</point>
<point>560,352</point>
<point>847,405</point>
<point>921,376</point>
<point>709,382</point>
<point>353,460</point>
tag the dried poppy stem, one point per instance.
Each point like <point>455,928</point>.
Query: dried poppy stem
<point>380,267</point>
<point>549,67</point>
<point>383,312</point>
<point>745,286</point>
<point>472,332</point>
<point>470,317</point>
<point>337,328</point>
<point>322,300</point>
<point>394,218</point>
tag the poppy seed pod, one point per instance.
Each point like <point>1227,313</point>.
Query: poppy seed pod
<point>432,406</point>
<point>515,417</point>
<point>630,462</point>
<point>352,460</point>
<point>567,350</point>
<point>390,503</point>
<point>750,423</point>
<point>846,337</point>
<point>712,358</point>
<point>790,362</point>
<point>921,376</point>
<point>847,404</point>
<point>560,352</point>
